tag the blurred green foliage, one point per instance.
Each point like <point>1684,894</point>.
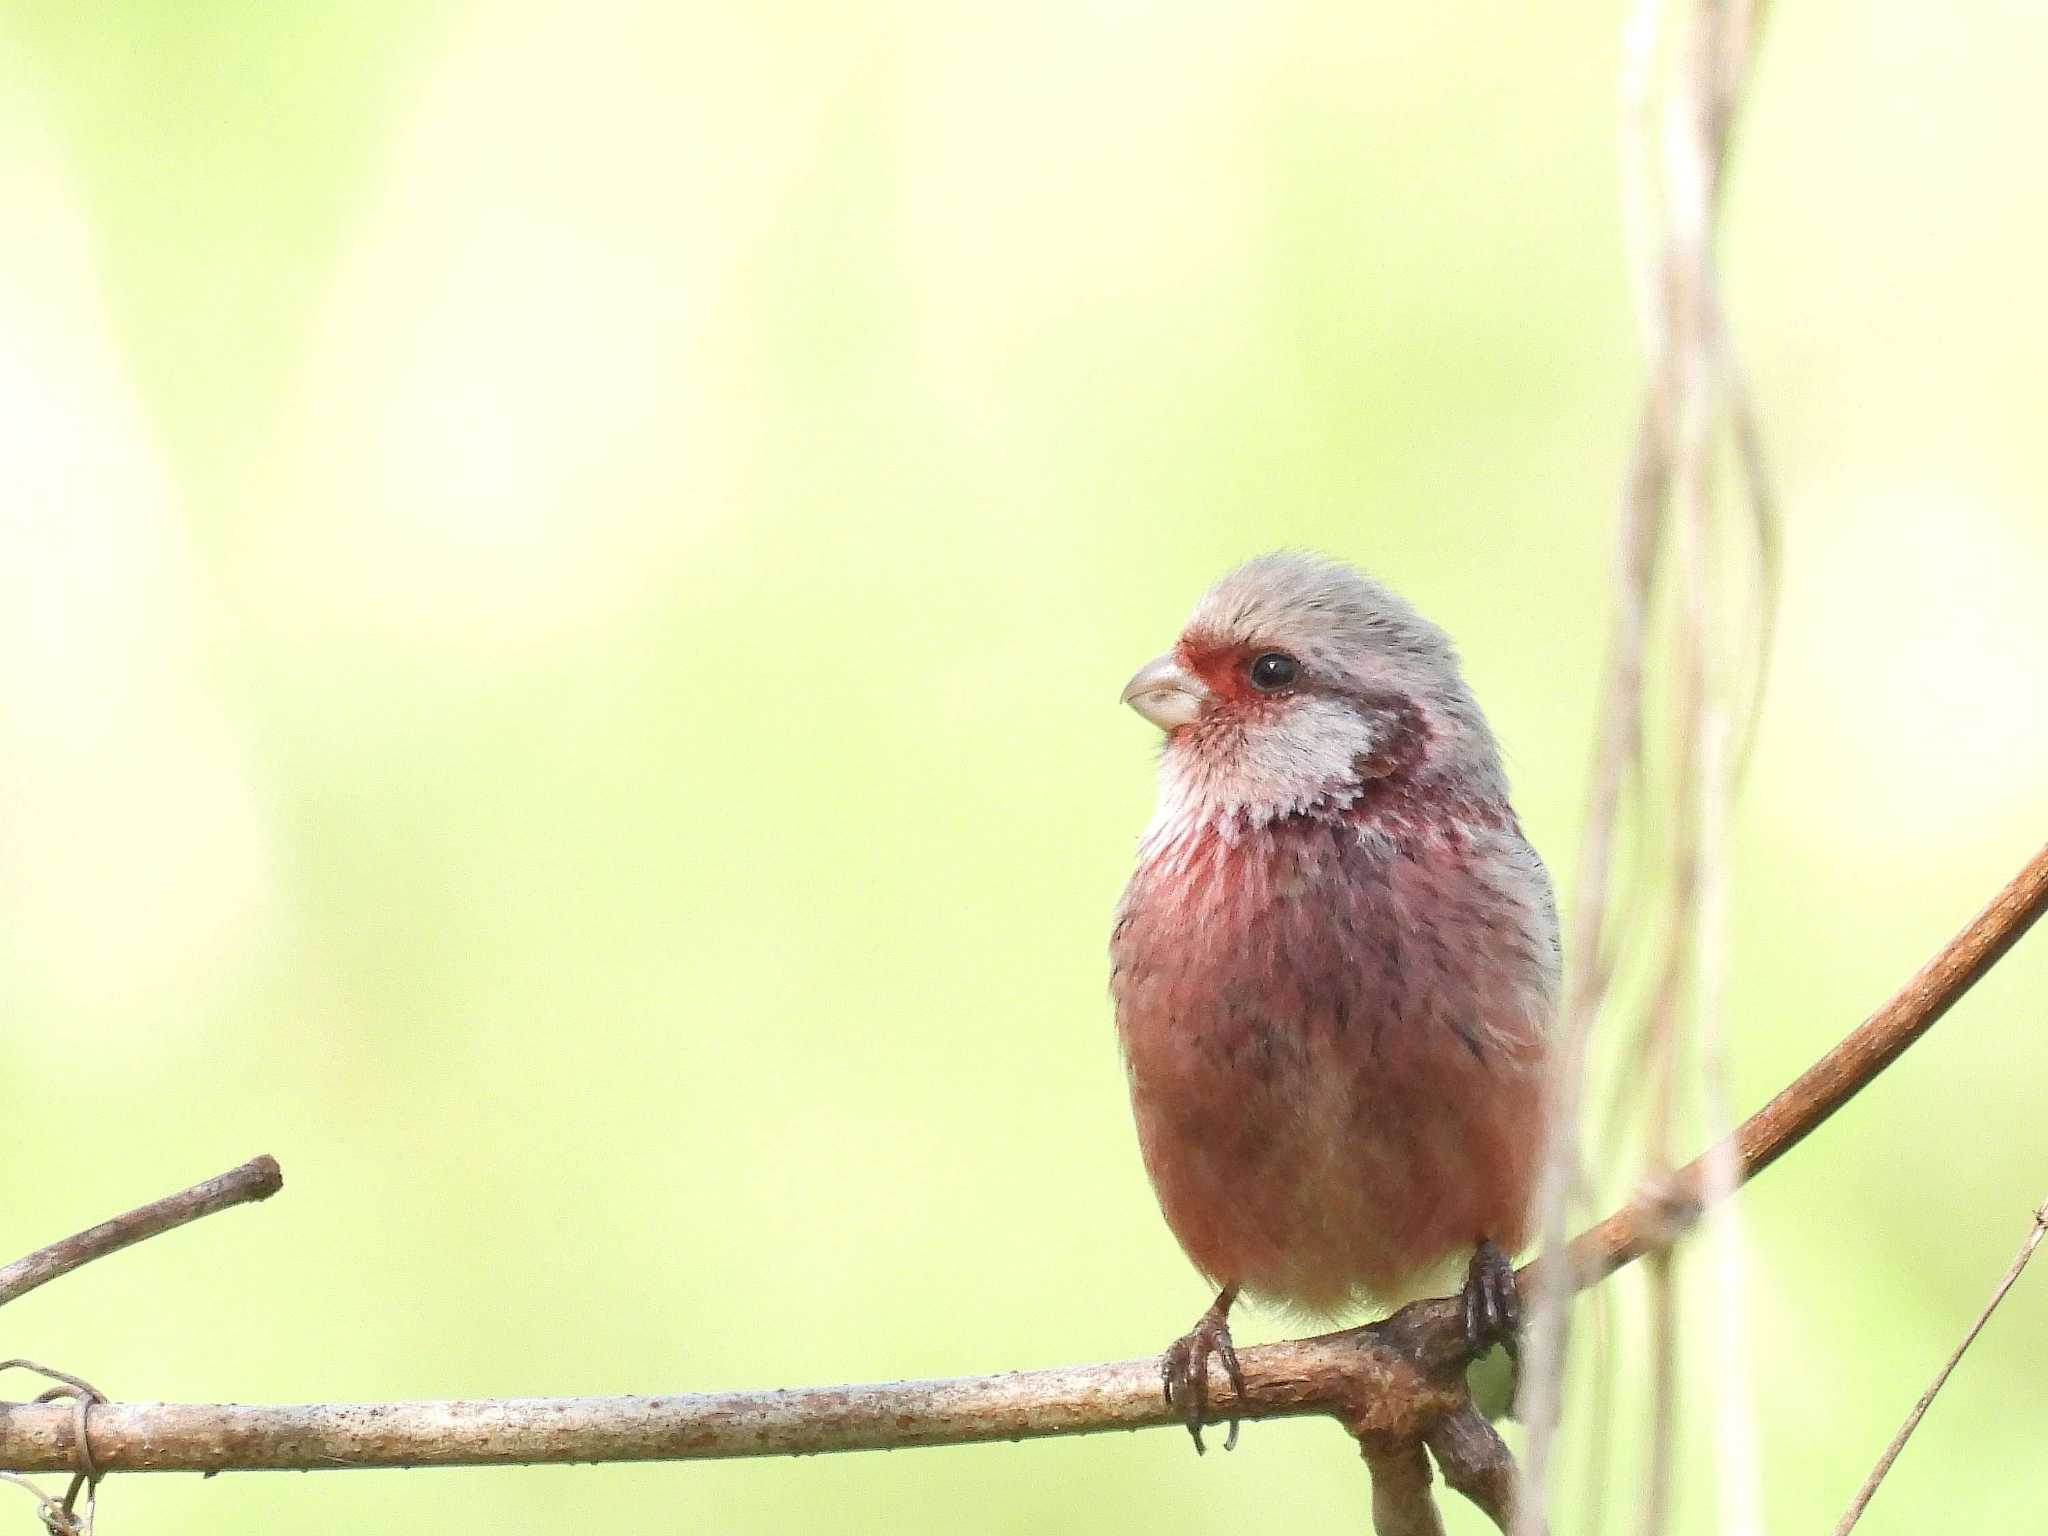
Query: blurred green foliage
<point>566,571</point>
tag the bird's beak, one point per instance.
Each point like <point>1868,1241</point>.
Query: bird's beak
<point>1166,693</point>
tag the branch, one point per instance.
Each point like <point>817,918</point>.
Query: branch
<point>258,1179</point>
<point>1401,1503</point>
<point>1891,1452</point>
<point>1830,1082</point>
<point>1388,1382</point>
<point>1310,1376</point>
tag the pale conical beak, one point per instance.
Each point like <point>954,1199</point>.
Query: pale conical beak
<point>1166,693</point>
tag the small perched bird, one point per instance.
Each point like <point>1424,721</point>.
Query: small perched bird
<point>1336,966</point>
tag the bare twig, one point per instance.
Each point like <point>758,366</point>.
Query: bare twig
<point>1392,1382</point>
<point>1401,1502</point>
<point>257,1179</point>
<point>1309,1376</point>
<point>1476,1463</point>
<point>1891,1452</point>
<point>1837,1077</point>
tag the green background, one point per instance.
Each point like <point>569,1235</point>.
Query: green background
<point>565,572</point>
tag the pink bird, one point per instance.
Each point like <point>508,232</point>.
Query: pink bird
<point>1336,965</point>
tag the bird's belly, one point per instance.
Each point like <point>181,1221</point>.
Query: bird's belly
<point>1333,1101</point>
<point>1313,1178</point>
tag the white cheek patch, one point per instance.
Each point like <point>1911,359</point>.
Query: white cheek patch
<point>1285,764</point>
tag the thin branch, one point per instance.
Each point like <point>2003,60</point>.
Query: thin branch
<point>1395,1380</point>
<point>1292,1379</point>
<point>1401,1502</point>
<point>1891,1452</point>
<point>1832,1081</point>
<point>257,1179</point>
<point>1476,1462</point>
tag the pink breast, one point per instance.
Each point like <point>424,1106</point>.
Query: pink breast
<point>1334,1047</point>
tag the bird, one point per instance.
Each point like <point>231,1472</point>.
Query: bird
<point>1336,966</point>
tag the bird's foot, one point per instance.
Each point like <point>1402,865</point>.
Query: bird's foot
<point>1184,1368</point>
<point>1493,1303</point>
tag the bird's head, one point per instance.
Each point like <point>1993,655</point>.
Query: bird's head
<point>1296,683</point>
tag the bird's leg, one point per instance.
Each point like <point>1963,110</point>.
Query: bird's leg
<point>1493,1304</point>
<point>1184,1368</point>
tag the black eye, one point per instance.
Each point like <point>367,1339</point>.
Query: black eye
<point>1273,671</point>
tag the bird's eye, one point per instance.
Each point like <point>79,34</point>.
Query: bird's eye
<point>1273,671</point>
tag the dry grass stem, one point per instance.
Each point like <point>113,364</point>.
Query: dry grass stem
<point>1891,1452</point>
<point>1671,190</point>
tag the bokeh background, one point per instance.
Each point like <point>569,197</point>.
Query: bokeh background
<point>564,575</point>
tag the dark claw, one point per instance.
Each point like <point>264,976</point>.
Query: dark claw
<point>1493,1304</point>
<point>1184,1369</point>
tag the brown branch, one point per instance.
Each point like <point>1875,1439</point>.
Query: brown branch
<point>257,1179</point>
<point>1891,1452</point>
<point>1476,1462</point>
<point>1401,1502</point>
<point>1830,1082</point>
<point>1391,1382</point>
<point>1285,1380</point>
